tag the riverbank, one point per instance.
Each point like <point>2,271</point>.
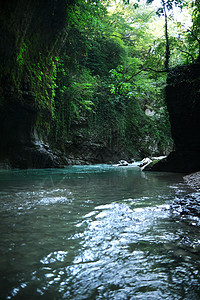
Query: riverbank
<point>188,207</point>
<point>193,180</point>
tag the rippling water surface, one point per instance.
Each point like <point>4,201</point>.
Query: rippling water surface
<point>95,232</point>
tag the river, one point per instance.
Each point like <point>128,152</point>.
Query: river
<point>96,232</point>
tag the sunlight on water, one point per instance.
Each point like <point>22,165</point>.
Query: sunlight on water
<point>95,232</point>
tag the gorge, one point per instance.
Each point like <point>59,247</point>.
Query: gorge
<point>64,101</point>
<point>87,90</point>
<point>48,120</point>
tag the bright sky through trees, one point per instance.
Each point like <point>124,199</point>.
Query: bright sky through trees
<point>179,15</point>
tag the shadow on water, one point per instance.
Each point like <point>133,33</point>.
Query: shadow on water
<point>95,232</point>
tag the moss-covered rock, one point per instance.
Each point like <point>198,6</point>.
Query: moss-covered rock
<point>32,34</point>
<point>183,102</point>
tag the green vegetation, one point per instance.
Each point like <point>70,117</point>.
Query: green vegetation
<point>106,71</point>
<point>105,79</point>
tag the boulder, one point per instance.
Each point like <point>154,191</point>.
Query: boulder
<point>123,163</point>
<point>147,163</point>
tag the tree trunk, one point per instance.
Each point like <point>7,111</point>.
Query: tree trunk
<point>167,50</point>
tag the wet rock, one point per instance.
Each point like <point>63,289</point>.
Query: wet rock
<point>5,165</point>
<point>187,206</point>
<point>182,98</point>
<point>193,180</point>
<point>147,163</point>
<point>123,163</point>
<point>179,161</point>
<point>22,103</point>
<point>87,151</point>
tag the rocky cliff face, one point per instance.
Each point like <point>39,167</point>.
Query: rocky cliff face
<point>32,34</point>
<point>183,102</point>
<point>19,145</point>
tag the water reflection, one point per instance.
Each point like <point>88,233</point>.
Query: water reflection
<point>95,232</point>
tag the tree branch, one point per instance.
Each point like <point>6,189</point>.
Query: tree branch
<point>192,33</point>
<point>189,54</point>
<point>140,71</point>
<point>157,71</point>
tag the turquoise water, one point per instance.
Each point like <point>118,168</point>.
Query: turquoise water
<point>95,232</point>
